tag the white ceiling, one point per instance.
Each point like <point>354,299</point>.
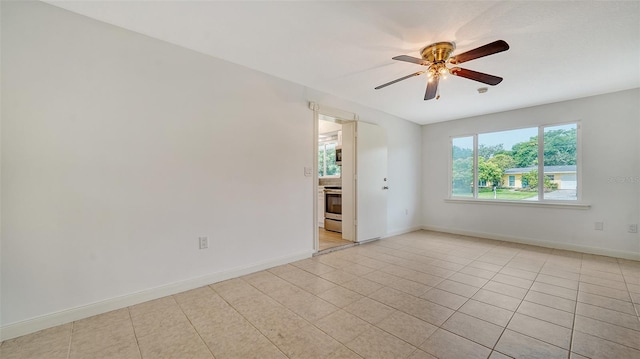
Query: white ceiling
<point>559,50</point>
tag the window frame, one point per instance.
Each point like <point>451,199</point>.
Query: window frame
<point>577,203</point>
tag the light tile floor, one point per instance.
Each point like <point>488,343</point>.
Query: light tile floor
<point>418,295</point>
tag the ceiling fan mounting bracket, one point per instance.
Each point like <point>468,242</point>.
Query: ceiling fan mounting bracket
<point>438,52</point>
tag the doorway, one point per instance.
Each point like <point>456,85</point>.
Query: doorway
<point>330,227</point>
<point>351,159</point>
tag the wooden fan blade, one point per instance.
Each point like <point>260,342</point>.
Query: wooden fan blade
<point>400,79</point>
<point>413,60</point>
<point>482,51</point>
<point>432,88</point>
<point>476,76</point>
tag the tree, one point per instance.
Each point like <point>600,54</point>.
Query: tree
<point>488,152</point>
<point>490,172</point>
<point>531,179</point>
<point>462,174</point>
<point>458,152</point>
<point>327,153</point>
<point>560,147</point>
<point>503,160</point>
<point>462,169</point>
<point>525,154</point>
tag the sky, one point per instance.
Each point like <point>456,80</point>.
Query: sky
<point>506,138</point>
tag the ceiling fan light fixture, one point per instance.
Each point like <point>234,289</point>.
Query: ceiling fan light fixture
<point>436,56</point>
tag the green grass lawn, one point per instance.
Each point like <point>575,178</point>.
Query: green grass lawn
<point>505,194</point>
<point>502,193</point>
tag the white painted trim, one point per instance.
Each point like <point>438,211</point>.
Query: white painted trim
<point>549,204</point>
<point>402,231</point>
<point>333,112</point>
<point>537,242</point>
<point>315,143</point>
<point>85,311</point>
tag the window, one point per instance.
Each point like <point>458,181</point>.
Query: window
<point>529,164</point>
<point>462,178</point>
<point>327,166</point>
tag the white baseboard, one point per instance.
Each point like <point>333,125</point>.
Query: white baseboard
<point>66,316</point>
<point>537,242</point>
<point>403,231</point>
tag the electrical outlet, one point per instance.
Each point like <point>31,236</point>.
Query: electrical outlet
<point>599,226</point>
<point>203,242</point>
<point>633,228</point>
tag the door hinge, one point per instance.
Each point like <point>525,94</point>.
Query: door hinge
<point>355,222</point>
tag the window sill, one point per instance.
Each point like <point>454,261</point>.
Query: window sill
<point>545,204</point>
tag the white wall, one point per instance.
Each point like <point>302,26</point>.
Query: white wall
<point>610,148</point>
<point>119,151</point>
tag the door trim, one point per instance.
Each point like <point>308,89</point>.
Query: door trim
<point>336,113</point>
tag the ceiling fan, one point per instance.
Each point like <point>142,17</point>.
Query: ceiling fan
<point>436,56</point>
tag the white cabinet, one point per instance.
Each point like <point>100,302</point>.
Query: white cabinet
<point>321,206</point>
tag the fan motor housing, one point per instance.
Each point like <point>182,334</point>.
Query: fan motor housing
<point>438,52</point>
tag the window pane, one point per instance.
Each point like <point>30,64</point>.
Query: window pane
<point>507,162</point>
<point>321,160</point>
<point>332,168</point>
<point>327,160</point>
<point>560,160</point>
<point>462,167</point>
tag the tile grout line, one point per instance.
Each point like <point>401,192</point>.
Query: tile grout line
<point>471,297</point>
<point>626,284</point>
<point>134,332</point>
<point>339,308</point>
<point>514,312</point>
<point>518,307</point>
<point>250,322</point>
<point>604,339</point>
<point>70,339</point>
<point>192,326</point>
<point>418,297</point>
<point>456,310</point>
<point>575,311</point>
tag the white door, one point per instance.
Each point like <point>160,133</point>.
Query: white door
<point>371,181</point>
